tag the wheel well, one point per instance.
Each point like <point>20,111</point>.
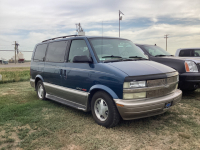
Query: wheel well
<point>36,81</point>
<point>91,95</point>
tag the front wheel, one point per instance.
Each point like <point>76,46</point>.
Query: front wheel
<point>104,110</point>
<point>41,90</point>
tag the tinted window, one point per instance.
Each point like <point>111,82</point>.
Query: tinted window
<point>78,48</point>
<point>197,52</point>
<point>40,52</point>
<point>186,53</point>
<point>56,51</point>
<point>156,50</point>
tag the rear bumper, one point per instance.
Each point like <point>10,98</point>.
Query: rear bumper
<point>133,109</point>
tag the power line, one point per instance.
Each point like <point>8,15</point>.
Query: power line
<point>166,36</point>
<point>13,51</point>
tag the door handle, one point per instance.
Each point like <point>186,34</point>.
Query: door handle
<point>61,72</point>
<point>65,74</point>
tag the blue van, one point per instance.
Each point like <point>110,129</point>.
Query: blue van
<point>111,77</point>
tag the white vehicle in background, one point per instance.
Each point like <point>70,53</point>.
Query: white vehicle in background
<point>188,52</point>
<point>3,61</point>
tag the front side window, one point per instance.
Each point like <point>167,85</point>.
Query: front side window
<point>117,49</point>
<point>78,48</point>
<point>156,51</point>
<point>197,52</point>
<point>40,52</point>
<point>56,51</point>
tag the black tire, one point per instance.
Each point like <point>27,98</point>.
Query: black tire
<point>113,116</point>
<point>43,96</point>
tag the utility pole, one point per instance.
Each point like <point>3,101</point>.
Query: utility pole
<point>120,18</point>
<point>15,50</point>
<point>166,36</point>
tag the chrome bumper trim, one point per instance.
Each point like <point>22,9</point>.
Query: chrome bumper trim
<point>133,109</point>
<point>32,82</point>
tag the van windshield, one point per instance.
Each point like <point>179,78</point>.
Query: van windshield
<point>116,49</point>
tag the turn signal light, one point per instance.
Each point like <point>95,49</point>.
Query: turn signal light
<point>187,67</point>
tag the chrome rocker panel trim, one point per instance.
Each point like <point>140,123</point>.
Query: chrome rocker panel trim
<point>66,102</point>
<point>74,98</point>
<point>134,109</point>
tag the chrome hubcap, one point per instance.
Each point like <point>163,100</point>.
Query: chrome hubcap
<point>101,109</point>
<point>40,91</point>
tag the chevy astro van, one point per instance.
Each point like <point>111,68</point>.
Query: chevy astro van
<point>111,77</point>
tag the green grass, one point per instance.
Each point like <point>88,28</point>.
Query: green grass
<point>14,74</point>
<point>29,123</point>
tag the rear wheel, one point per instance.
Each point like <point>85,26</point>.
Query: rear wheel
<point>41,90</point>
<point>104,110</point>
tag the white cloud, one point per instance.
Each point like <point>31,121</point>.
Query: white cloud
<point>30,22</point>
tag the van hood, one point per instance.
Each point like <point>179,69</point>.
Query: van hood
<point>196,60</point>
<point>141,67</point>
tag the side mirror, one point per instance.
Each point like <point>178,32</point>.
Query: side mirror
<point>82,59</point>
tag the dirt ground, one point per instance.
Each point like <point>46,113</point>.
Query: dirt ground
<point>12,65</point>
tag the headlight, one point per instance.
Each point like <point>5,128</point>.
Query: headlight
<point>134,95</point>
<point>190,66</point>
<point>134,84</point>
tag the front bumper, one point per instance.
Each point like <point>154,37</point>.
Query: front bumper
<point>193,77</point>
<point>32,82</point>
<point>133,109</point>
<point>189,80</point>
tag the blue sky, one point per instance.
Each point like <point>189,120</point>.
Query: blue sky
<point>145,21</point>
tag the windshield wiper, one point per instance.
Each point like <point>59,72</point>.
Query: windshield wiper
<point>111,56</point>
<point>140,58</point>
<point>163,55</point>
<point>160,55</point>
<point>127,59</point>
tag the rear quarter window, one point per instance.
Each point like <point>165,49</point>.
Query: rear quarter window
<point>40,52</point>
<point>56,51</point>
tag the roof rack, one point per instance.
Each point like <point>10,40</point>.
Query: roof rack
<point>59,37</point>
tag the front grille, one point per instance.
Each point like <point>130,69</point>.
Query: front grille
<point>157,82</point>
<point>160,82</point>
<point>161,92</point>
<point>172,79</point>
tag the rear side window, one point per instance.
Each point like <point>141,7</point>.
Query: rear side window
<point>56,51</point>
<point>78,48</point>
<point>186,53</point>
<point>40,52</point>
